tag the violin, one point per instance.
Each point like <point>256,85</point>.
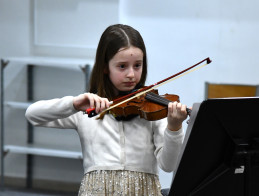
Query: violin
<point>150,106</point>
<point>146,102</point>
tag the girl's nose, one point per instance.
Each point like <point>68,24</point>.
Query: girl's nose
<point>130,73</point>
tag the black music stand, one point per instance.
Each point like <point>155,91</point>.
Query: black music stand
<point>220,154</point>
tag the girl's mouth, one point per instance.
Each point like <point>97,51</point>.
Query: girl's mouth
<point>129,84</point>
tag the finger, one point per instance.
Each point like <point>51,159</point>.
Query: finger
<point>107,103</point>
<point>184,108</point>
<point>89,97</point>
<point>172,107</point>
<point>104,104</point>
<point>178,107</point>
<point>98,103</point>
<point>181,108</point>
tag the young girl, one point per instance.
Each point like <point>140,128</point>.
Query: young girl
<point>120,155</point>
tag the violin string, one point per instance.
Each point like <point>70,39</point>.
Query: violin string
<point>161,100</point>
<point>157,98</point>
<point>153,87</point>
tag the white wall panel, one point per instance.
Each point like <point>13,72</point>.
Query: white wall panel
<point>66,27</point>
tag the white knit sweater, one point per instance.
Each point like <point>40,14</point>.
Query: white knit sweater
<point>108,144</point>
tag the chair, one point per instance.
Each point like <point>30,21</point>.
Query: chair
<point>213,90</point>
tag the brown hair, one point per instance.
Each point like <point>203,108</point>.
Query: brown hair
<point>113,38</point>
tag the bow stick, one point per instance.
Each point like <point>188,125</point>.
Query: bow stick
<point>156,85</point>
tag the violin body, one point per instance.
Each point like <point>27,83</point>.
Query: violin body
<point>146,107</point>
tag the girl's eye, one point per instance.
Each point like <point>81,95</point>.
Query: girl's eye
<point>138,65</point>
<point>122,66</point>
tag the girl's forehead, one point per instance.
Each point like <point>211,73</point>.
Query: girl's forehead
<point>129,50</point>
<point>128,54</point>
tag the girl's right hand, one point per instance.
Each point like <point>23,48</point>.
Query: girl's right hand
<point>90,100</point>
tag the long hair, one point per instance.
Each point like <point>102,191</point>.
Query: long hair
<point>113,38</point>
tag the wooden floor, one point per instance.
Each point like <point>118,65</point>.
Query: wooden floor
<point>23,192</point>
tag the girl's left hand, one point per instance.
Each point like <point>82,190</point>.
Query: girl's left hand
<point>176,115</point>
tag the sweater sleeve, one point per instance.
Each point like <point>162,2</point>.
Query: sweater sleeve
<point>56,113</point>
<point>168,145</point>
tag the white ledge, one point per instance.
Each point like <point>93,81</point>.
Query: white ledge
<point>36,150</point>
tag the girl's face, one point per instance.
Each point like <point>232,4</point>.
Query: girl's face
<point>125,68</point>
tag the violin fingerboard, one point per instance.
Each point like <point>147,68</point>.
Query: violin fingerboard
<point>157,99</point>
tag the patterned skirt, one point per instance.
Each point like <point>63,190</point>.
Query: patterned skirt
<point>119,183</point>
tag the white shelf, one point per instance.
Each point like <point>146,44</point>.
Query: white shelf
<point>65,63</point>
<point>42,151</point>
<point>37,149</point>
<point>17,105</point>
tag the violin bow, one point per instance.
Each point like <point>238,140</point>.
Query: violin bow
<point>158,84</point>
